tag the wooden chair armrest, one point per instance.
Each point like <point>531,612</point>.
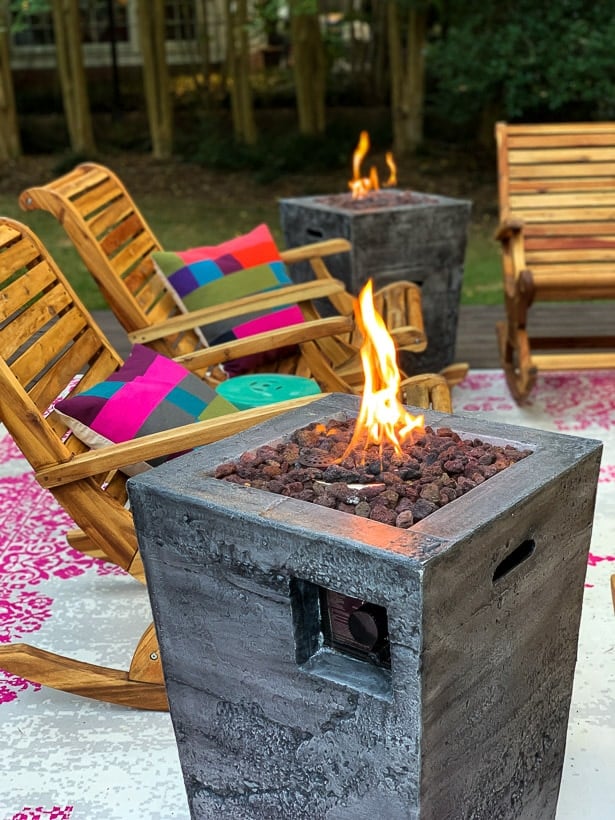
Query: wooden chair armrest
<point>305,252</point>
<point>167,442</point>
<point>511,237</point>
<point>289,294</point>
<point>283,337</point>
<point>427,391</point>
<point>508,229</point>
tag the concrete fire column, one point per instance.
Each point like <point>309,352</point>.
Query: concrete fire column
<point>423,242</point>
<point>273,615</point>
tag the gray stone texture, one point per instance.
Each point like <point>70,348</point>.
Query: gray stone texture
<point>423,243</point>
<point>470,722</point>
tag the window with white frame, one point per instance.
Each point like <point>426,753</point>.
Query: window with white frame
<point>103,22</point>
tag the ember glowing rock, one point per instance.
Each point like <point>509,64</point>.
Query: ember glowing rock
<point>433,469</point>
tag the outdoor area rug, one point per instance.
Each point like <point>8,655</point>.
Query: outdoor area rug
<point>69,758</point>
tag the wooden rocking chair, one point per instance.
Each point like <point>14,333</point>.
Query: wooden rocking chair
<point>557,233</point>
<point>116,243</point>
<point>47,338</point>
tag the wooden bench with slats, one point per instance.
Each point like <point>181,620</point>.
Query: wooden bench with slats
<point>556,187</point>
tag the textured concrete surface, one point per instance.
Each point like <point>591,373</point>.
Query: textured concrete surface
<point>423,243</point>
<point>470,722</point>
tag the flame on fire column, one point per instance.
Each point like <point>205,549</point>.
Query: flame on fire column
<point>382,417</point>
<point>361,186</point>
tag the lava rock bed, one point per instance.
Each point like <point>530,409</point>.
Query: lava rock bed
<point>376,199</point>
<point>434,468</point>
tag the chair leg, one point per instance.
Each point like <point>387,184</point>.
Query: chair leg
<point>516,361</point>
<point>455,373</point>
<point>428,391</point>
<point>142,687</point>
<point>83,543</point>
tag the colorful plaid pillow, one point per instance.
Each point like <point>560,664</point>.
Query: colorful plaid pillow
<point>210,275</point>
<point>149,393</point>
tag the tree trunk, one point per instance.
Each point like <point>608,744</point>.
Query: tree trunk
<point>309,67</point>
<point>378,55</point>
<point>238,69</point>
<point>156,79</point>
<point>67,33</point>
<point>202,17</point>
<point>10,145</point>
<point>407,66</point>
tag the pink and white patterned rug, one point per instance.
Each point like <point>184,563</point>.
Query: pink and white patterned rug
<point>69,758</point>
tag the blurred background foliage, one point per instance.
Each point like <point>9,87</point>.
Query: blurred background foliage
<point>461,67</point>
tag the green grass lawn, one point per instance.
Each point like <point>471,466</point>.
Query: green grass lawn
<point>482,279</point>
<point>184,224</point>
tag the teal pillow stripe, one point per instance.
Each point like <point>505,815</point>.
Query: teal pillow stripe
<point>204,271</point>
<point>105,390</point>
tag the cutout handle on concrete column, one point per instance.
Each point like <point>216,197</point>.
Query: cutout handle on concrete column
<point>514,558</point>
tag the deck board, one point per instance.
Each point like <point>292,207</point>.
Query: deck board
<point>476,340</point>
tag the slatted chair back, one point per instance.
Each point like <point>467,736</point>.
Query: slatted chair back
<point>556,186</point>
<point>47,340</point>
<point>559,182</point>
<point>116,242</point>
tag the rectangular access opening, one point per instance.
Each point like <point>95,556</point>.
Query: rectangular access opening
<point>342,638</point>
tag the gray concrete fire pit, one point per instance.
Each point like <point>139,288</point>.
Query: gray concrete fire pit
<point>262,605</point>
<point>395,235</point>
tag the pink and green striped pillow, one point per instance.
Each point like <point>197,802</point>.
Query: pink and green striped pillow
<point>147,394</point>
<point>210,275</point>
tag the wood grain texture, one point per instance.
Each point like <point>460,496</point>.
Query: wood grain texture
<point>556,183</point>
<point>116,243</point>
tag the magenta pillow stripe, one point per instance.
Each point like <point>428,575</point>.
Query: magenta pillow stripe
<point>271,321</point>
<point>147,394</point>
<point>125,413</point>
<point>165,370</point>
<point>140,395</point>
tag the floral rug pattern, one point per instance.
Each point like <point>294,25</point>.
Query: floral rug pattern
<point>69,758</point>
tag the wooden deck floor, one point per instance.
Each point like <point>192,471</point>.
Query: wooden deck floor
<point>476,340</point>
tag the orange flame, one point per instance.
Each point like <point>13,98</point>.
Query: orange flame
<point>382,417</point>
<point>361,186</point>
<point>392,180</point>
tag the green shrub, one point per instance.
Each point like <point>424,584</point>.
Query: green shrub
<point>525,60</point>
